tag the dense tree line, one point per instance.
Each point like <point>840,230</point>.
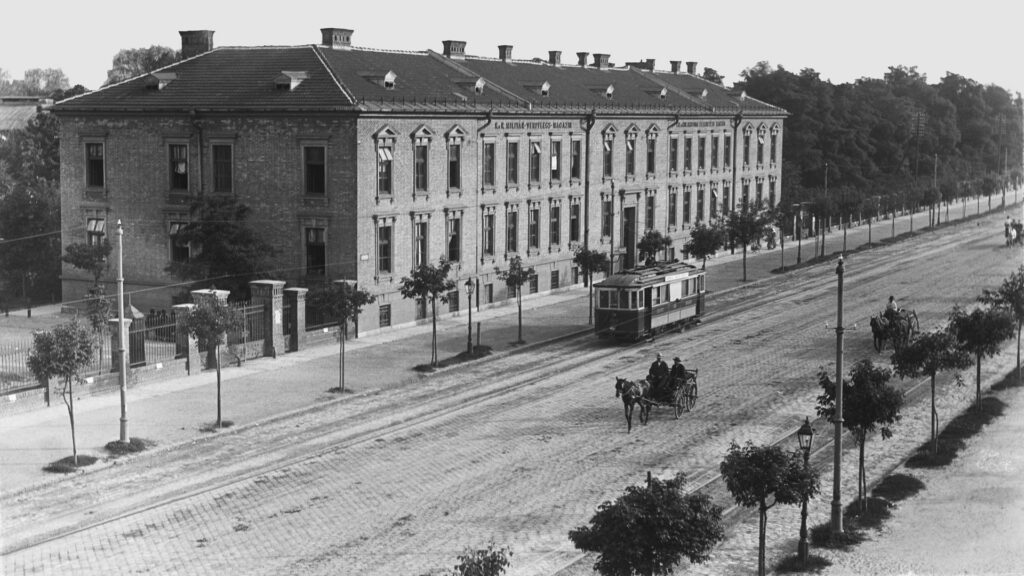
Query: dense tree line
<point>890,142</point>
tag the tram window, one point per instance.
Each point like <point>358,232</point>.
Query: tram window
<point>632,300</point>
<point>640,299</point>
<point>686,287</point>
<point>701,283</point>
<point>602,299</point>
<point>613,299</point>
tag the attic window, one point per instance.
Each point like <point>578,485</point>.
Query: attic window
<point>543,89</point>
<point>159,80</point>
<point>479,86</point>
<point>290,79</point>
<point>609,91</point>
<point>663,93</point>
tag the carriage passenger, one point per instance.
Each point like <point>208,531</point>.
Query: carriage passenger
<point>657,374</point>
<point>892,309</point>
<point>678,372</point>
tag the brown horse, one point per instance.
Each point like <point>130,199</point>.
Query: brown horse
<point>631,393</point>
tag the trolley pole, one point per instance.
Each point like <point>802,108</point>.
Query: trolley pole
<point>837,505</point>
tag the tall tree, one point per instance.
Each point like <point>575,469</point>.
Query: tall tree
<point>748,226</point>
<point>209,322</point>
<point>649,529</point>
<point>590,261</point>
<point>652,243</point>
<point>227,252</point>
<point>429,282</point>
<point>131,62</point>
<point>30,252</point>
<point>981,332</point>
<point>869,403</point>
<point>705,240</point>
<point>62,352</point>
<point>927,355</point>
<point>1010,297</point>
<point>515,278</point>
<point>764,476</point>
<point>341,302</point>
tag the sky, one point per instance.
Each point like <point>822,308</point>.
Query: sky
<point>841,41</point>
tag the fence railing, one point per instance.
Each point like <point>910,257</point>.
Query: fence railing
<point>14,372</point>
<point>316,319</point>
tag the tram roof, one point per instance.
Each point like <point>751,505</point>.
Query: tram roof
<point>646,275</point>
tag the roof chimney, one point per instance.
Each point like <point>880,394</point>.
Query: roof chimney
<point>650,64</point>
<point>691,68</point>
<point>195,42</point>
<point>337,37</point>
<point>601,61</point>
<point>555,57</point>
<point>505,52</point>
<point>675,66</point>
<point>455,49</point>
<point>583,58</point>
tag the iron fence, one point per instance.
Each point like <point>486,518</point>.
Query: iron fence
<point>316,318</point>
<point>14,373</point>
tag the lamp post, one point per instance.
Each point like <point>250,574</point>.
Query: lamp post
<point>469,305</point>
<point>122,363</point>
<point>805,435</point>
<point>837,505</point>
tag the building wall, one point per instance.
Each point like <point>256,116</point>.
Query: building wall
<point>268,177</point>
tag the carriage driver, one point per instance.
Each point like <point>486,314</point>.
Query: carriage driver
<point>657,374</point>
<point>891,309</point>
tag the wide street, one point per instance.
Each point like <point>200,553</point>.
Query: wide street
<point>517,450</point>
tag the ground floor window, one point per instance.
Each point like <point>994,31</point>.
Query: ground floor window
<point>533,284</point>
<point>554,279</point>
<point>453,301</point>
<point>385,315</point>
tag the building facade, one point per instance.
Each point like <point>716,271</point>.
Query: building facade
<point>360,164</point>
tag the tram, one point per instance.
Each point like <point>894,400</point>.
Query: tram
<point>641,302</point>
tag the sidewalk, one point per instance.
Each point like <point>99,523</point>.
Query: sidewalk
<point>173,411</point>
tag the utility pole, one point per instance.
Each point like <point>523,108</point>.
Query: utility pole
<point>122,361</point>
<point>837,504</point>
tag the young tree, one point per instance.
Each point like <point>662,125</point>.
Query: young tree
<point>429,282</point>
<point>705,240</point>
<point>747,226</point>
<point>341,302</point>
<point>649,246</point>
<point>981,333</point>
<point>649,529</point>
<point>209,322</point>
<point>488,561</point>
<point>62,352</point>
<point>927,355</point>
<point>590,261</point>
<point>1010,297</point>
<point>227,251</point>
<point>515,278</point>
<point>869,402</point>
<point>756,474</point>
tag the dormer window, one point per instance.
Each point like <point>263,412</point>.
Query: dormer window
<point>543,89</point>
<point>478,87</point>
<point>663,94</point>
<point>290,79</point>
<point>609,91</point>
<point>385,80</point>
<point>160,80</point>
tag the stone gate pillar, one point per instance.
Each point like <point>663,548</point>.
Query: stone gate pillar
<point>185,345</point>
<point>295,303</point>
<point>269,293</point>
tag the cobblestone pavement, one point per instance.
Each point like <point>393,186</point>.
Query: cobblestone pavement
<point>516,451</point>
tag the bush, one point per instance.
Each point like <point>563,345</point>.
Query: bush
<point>792,564</point>
<point>134,445</point>
<point>67,465</point>
<point>897,487</point>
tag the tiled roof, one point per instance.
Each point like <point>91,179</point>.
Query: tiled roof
<point>381,80</point>
<point>16,111</point>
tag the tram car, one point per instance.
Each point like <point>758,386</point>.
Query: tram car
<point>640,302</point>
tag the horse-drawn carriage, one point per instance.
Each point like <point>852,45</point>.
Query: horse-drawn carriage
<point>898,329</point>
<point>680,394</point>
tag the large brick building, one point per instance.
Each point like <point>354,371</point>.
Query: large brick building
<point>361,163</point>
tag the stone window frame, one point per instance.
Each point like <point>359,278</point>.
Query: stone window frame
<point>421,137</point>
<point>383,222</point>
<point>170,144</point>
<point>384,151</point>
<point>748,131</point>
<point>673,208</point>
<point>762,130</point>
<point>555,164</point>
<point>576,204</point>
<point>215,143</point>
<point>305,225</point>
<point>632,134</point>
<point>484,164</point>
<point>512,166</point>
<point>417,219</point>
<point>673,154</point>
<point>95,227</point>
<point>608,152</point>
<point>310,143</point>
<point>455,140</point>
<point>653,132</point>
<point>535,155</point>
<point>511,231</point>
<point>452,215</point>
<point>650,208</point>
<point>175,221</point>
<point>773,154</point>
<point>488,211</point>
<point>88,141</point>
<point>554,225</point>
<point>576,161</point>
<point>533,236</point>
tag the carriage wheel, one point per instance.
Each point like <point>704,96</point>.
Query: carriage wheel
<point>679,403</point>
<point>691,398</point>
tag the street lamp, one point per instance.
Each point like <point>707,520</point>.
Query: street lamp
<point>805,435</point>
<point>469,304</point>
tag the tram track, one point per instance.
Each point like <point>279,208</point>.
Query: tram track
<point>446,399</point>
